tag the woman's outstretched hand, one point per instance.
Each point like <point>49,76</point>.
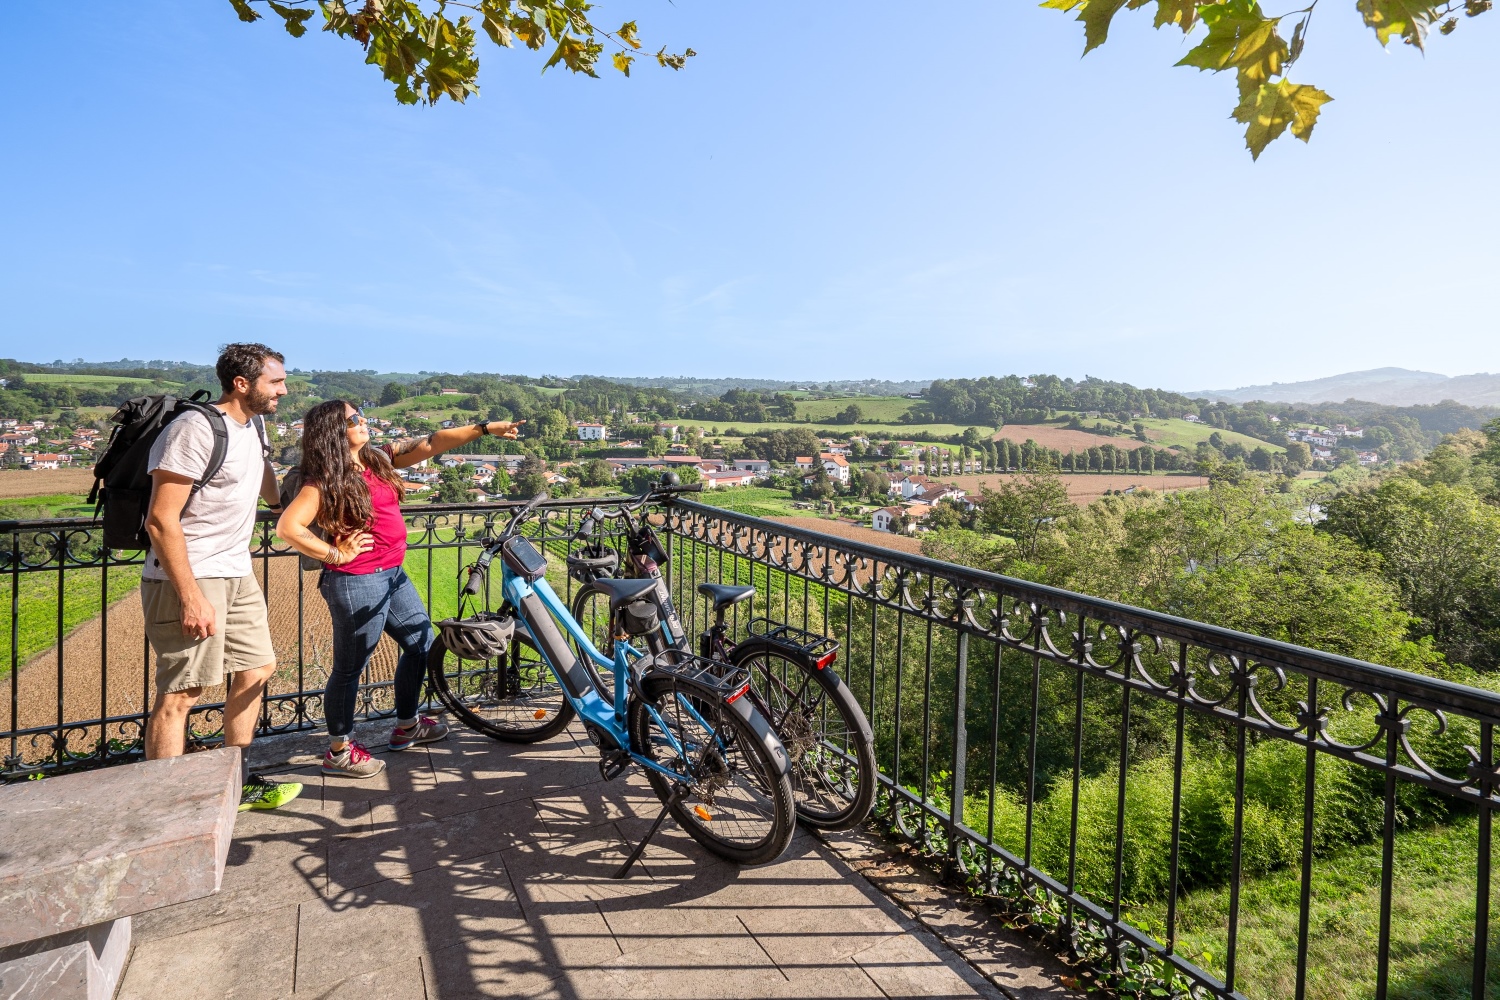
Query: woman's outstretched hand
<point>505,428</point>
<point>351,547</point>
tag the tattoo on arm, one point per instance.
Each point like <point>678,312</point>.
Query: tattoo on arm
<point>409,444</point>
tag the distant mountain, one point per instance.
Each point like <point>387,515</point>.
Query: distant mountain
<point>1387,386</point>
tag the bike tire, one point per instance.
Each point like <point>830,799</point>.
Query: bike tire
<point>828,740</point>
<point>591,612</point>
<point>743,812</point>
<point>530,708</point>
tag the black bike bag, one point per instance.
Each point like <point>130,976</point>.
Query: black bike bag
<point>523,559</point>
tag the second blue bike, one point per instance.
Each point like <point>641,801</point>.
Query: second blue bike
<point>711,757</point>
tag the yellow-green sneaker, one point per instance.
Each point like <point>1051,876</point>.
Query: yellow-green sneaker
<point>262,793</point>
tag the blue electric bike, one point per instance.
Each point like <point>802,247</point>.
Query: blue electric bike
<point>709,754</point>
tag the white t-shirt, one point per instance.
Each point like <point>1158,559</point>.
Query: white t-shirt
<point>220,518</point>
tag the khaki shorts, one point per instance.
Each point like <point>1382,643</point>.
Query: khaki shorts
<point>241,639</point>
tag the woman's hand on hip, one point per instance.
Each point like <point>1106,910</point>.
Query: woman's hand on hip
<point>351,547</point>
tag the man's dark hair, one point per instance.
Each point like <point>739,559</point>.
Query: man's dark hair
<point>245,361</point>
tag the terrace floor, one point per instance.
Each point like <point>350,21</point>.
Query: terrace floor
<point>475,869</point>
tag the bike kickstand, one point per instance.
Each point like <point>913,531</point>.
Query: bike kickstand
<point>678,794</point>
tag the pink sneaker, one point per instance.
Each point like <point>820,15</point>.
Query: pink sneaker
<point>354,761</point>
<point>427,730</point>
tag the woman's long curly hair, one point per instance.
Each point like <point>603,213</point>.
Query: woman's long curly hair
<point>326,462</point>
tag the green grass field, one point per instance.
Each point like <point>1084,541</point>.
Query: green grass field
<point>1172,433</point>
<point>36,623</point>
<point>756,501</point>
<point>899,431</point>
<point>412,403</point>
<point>51,505</point>
<point>92,381</point>
<point>882,409</point>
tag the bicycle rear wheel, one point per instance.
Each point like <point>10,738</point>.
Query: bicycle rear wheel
<point>827,738</point>
<point>514,697</point>
<point>739,803</point>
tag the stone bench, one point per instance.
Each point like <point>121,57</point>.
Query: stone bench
<point>81,853</point>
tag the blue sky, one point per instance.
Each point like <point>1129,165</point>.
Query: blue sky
<point>831,191</point>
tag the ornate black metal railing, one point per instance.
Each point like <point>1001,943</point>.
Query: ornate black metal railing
<point>1184,809</point>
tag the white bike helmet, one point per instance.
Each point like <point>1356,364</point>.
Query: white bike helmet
<point>482,637</point>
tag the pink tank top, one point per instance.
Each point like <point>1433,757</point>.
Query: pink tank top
<point>388,528</point>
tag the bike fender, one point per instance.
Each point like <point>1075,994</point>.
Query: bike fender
<point>830,679</point>
<point>742,706</point>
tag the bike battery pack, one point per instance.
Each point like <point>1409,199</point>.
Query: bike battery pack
<point>523,559</point>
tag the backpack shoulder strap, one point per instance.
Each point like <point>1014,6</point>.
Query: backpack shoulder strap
<point>265,442</point>
<point>216,423</point>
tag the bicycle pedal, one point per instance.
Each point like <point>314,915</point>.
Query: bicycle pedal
<point>613,764</point>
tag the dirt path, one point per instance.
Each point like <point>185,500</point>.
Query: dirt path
<point>114,644</point>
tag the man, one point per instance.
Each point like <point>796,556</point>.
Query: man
<point>205,615</point>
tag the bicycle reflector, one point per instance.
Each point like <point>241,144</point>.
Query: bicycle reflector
<point>736,696</point>
<point>703,814</point>
<point>826,659</point>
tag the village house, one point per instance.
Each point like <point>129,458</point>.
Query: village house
<point>593,432</point>
<point>719,480</point>
<point>672,432</point>
<point>882,519</point>
<point>759,466</point>
<point>450,392</point>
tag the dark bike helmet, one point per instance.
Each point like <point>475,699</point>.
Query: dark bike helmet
<point>593,561</point>
<point>482,637</point>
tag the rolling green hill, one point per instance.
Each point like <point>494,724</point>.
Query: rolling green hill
<point>93,381</point>
<point>879,409</point>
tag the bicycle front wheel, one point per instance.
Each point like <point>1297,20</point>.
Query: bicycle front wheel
<point>738,802</point>
<point>828,740</point>
<point>514,697</point>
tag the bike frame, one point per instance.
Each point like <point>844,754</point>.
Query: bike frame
<point>589,705</point>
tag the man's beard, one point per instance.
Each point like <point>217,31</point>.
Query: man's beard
<point>261,403</point>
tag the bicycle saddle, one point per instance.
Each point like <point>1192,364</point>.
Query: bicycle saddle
<point>723,594</point>
<point>625,591</point>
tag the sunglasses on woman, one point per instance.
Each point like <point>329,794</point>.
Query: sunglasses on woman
<point>354,419</point>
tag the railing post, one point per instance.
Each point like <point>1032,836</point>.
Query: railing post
<point>960,744</point>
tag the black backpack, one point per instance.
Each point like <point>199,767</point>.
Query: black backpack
<point>122,487</point>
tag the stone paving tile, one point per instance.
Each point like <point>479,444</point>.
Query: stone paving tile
<point>403,980</point>
<point>705,966</point>
<point>476,869</point>
<point>400,849</point>
<point>376,924</point>
<point>254,960</point>
<point>914,965</point>
<point>512,968</point>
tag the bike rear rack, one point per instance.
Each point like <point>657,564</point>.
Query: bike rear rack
<point>712,678</point>
<point>821,649</point>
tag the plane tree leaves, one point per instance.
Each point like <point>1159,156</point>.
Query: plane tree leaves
<point>427,55</point>
<point>1240,37</point>
<point>1271,108</point>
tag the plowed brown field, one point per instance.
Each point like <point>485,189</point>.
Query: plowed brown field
<point>1085,488</point>
<point>16,483</point>
<point>1052,436</point>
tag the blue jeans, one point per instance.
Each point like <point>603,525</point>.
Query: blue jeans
<point>362,606</point>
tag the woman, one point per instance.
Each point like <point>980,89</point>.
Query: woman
<point>352,493</point>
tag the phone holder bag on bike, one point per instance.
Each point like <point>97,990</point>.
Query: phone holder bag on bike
<point>481,637</point>
<point>523,559</point>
